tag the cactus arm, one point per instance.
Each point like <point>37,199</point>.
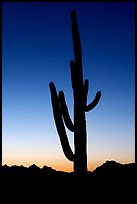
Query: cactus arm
<point>65,113</point>
<point>59,123</point>
<point>94,102</point>
<point>85,91</point>
<point>86,86</point>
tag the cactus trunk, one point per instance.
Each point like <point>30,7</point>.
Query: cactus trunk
<point>60,110</point>
<point>80,136</point>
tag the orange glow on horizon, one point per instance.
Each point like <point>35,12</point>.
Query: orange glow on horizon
<point>58,165</point>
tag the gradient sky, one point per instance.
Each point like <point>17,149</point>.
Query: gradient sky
<point>36,49</point>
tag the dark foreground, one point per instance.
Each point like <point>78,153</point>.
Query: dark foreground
<point>112,179</point>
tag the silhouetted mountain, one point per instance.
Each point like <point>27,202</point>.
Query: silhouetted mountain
<point>108,169</point>
<point>116,173</point>
<point>31,171</point>
<point>111,178</point>
<point>112,168</point>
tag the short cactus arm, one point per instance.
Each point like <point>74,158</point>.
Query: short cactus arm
<point>65,112</point>
<point>59,123</point>
<point>85,91</point>
<point>94,102</point>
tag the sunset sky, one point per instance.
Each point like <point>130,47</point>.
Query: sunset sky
<point>37,49</point>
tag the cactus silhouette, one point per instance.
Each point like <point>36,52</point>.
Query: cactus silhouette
<point>60,110</point>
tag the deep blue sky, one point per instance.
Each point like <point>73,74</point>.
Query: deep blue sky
<point>36,49</point>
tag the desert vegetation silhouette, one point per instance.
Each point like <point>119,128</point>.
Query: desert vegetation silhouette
<point>60,110</point>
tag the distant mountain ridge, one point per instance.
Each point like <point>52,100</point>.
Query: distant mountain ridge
<point>109,168</point>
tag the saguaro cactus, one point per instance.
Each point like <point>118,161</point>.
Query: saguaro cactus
<point>60,110</point>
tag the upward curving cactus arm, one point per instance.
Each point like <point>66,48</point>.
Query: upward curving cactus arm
<point>65,112</point>
<point>94,102</point>
<point>59,123</point>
